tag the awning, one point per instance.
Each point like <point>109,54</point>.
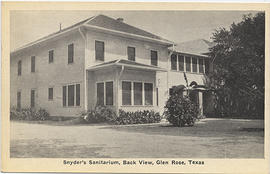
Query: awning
<point>126,63</point>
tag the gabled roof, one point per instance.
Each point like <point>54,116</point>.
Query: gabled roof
<point>127,63</point>
<point>102,22</point>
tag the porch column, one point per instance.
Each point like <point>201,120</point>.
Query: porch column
<point>200,102</point>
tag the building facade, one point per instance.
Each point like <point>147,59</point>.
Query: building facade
<point>100,61</point>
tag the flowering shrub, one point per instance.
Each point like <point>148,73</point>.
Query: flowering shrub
<point>180,110</point>
<point>29,114</point>
<point>138,117</point>
<point>100,114</point>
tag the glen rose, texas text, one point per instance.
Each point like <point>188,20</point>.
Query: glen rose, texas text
<point>131,162</point>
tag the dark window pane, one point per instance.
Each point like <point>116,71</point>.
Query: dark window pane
<point>201,65</point>
<point>70,95</point>
<point>126,93</point>
<point>181,63</point>
<point>50,93</point>
<point>194,64</point>
<point>131,53</point>
<point>100,93</point>
<point>50,56</point>
<point>137,93</point>
<point>148,94</point>
<point>19,68</point>
<point>70,53</point>
<point>206,64</point>
<point>19,100</point>
<point>188,65</point>
<point>109,93</point>
<point>64,96</point>
<point>174,62</point>
<point>78,94</point>
<point>99,49</point>
<point>157,95</point>
<point>154,58</point>
<point>33,58</point>
<point>32,98</point>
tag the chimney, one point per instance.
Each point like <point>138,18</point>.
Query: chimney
<point>120,19</point>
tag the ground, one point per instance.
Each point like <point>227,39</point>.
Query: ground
<point>209,138</point>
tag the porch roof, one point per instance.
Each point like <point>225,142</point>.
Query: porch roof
<point>126,63</point>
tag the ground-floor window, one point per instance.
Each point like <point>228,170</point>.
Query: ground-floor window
<point>71,95</point>
<point>137,93</point>
<point>19,100</point>
<point>105,93</point>
<point>32,98</point>
<point>50,93</point>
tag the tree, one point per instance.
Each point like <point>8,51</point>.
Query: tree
<point>238,74</point>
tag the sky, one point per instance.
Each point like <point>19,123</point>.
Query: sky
<point>177,26</point>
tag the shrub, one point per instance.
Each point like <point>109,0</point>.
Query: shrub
<point>29,114</point>
<point>99,115</point>
<point>179,110</point>
<point>138,117</point>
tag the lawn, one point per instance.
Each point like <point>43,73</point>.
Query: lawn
<point>209,138</point>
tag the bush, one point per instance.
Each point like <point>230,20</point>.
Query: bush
<point>138,117</point>
<point>179,110</point>
<point>100,114</point>
<point>29,114</point>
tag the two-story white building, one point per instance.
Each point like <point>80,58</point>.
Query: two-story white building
<point>100,61</point>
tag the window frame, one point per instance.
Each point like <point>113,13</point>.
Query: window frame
<point>51,60</point>
<point>104,92</point>
<point>33,100</point>
<point>176,63</point>
<point>193,65</point>
<point>33,64</point>
<point>66,95</point>
<point>19,102</point>
<point>19,68</point>
<point>190,64</point>
<point>103,59</point>
<point>134,53</point>
<point>151,57</point>
<point>50,87</point>
<point>73,50</point>
<point>203,70</point>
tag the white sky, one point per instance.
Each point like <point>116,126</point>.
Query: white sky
<point>177,26</point>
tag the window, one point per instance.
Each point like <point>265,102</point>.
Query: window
<point>50,93</point>
<point>194,64</point>
<point>157,95</point>
<point>64,96</point>
<point>148,93</point>
<point>32,98</point>
<point>109,93</point>
<point>100,93</point>
<point>70,95</point>
<point>70,53</point>
<point>50,56</point>
<point>33,58</point>
<point>19,100</point>
<point>206,64</point>
<point>19,68</point>
<point>201,65</point>
<point>78,94</point>
<point>181,63</point>
<point>154,58</point>
<point>174,62</point>
<point>126,93</point>
<point>131,53</point>
<point>188,65</point>
<point>99,49</point>
<point>137,93</point>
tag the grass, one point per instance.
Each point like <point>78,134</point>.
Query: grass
<point>209,138</point>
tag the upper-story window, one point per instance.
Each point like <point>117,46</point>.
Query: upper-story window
<point>33,63</point>
<point>70,53</point>
<point>51,56</point>
<point>173,62</point>
<point>188,64</point>
<point>131,53</point>
<point>181,62</point>
<point>201,66</point>
<point>206,66</point>
<point>194,64</point>
<point>99,49</point>
<point>19,68</point>
<point>154,58</point>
